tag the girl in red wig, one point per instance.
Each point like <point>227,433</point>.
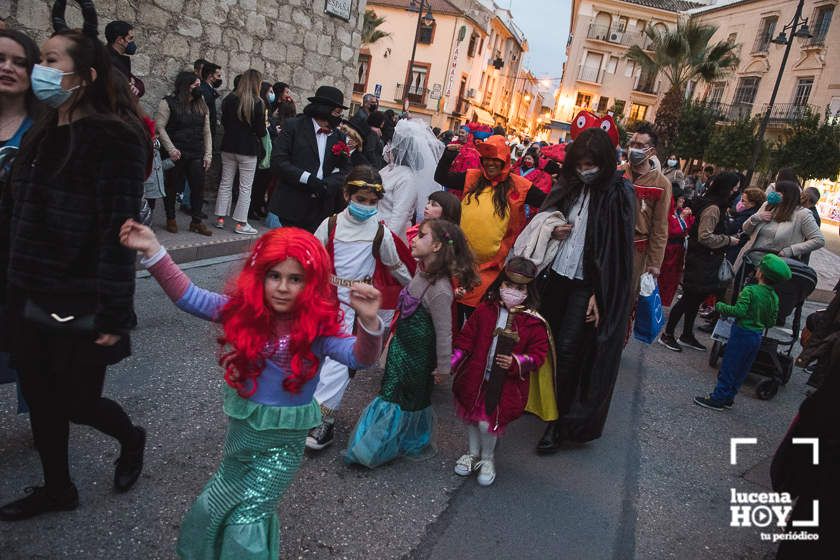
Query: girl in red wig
<point>280,319</point>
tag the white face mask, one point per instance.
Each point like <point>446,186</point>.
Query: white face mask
<point>672,163</point>
<point>512,297</point>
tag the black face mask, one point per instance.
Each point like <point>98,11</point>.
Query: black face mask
<point>195,93</point>
<point>334,121</point>
<point>373,108</point>
<point>217,83</point>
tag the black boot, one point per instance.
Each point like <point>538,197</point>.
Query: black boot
<point>550,441</point>
<point>40,500</point>
<point>130,462</point>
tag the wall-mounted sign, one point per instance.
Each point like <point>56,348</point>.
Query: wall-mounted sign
<point>436,91</point>
<point>377,91</point>
<point>339,8</point>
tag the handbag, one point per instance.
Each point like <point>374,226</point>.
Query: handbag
<point>75,324</point>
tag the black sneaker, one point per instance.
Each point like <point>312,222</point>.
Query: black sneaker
<point>669,342</point>
<point>39,501</point>
<point>691,342</point>
<point>130,463</point>
<point>714,404</point>
<point>321,436</point>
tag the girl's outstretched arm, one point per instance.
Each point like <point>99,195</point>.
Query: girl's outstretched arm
<point>177,285</point>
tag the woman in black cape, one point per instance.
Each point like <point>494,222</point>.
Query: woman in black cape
<point>585,298</point>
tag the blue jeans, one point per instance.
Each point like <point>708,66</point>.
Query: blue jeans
<point>272,221</point>
<point>741,350</point>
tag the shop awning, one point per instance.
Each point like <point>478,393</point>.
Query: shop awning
<point>484,117</point>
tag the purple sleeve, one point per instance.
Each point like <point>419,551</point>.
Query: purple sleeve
<point>356,352</point>
<point>186,295</point>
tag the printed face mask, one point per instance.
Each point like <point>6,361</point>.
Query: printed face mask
<point>589,175</point>
<point>512,297</point>
<point>361,212</point>
<point>46,85</point>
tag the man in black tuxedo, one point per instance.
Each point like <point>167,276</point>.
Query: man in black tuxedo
<point>311,175</point>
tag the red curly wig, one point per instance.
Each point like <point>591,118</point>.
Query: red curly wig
<point>250,325</point>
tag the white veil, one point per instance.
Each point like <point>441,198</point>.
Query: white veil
<point>414,146</point>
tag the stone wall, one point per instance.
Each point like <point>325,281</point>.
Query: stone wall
<point>293,41</point>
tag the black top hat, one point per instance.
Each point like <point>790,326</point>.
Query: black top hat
<point>328,95</point>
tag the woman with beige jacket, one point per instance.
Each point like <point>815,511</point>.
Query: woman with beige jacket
<point>786,227</point>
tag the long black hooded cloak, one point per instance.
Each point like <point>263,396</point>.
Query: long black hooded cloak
<point>608,266</point>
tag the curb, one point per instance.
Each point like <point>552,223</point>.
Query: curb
<point>821,296</point>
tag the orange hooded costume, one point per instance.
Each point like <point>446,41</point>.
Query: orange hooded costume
<point>490,236</point>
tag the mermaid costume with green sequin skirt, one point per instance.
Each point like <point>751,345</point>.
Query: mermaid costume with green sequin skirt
<point>399,421</point>
<point>235,516</point>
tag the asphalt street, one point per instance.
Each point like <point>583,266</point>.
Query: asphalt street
<point>656,485</point>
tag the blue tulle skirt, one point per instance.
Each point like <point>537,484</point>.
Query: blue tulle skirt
<point>385,431</point>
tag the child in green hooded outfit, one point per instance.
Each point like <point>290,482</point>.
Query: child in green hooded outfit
<point>757,309</point>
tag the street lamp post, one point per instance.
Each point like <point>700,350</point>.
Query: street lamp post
<point>782,39</point>
<point>428,19</point>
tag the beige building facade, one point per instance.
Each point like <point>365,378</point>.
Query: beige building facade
<point>466,64</point>
<point>597,76</point>
<point>812,74</point>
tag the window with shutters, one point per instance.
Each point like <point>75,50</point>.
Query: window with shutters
<point>747,88</point>
<point>765,34</point>
<point>803,91</point>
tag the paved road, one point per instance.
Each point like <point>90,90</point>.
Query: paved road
<point>655,486</point>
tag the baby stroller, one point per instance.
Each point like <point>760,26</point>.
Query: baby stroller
<point>774,361</point>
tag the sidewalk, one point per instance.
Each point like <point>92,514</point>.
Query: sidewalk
<point>826,262</point>
<point>186,246</point>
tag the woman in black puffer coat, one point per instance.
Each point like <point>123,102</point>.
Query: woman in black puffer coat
<point>707,243</point>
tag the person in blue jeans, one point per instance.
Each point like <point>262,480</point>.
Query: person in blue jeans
<point>757,309</point>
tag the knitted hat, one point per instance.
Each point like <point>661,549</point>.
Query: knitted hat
<point>521,270</point>
<point>774,269</point>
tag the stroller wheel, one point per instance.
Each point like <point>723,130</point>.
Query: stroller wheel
<point>715,353</point>
<point>767,389</point>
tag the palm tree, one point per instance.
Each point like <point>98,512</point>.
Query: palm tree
<point>682,55</point>
<point>370,33</point>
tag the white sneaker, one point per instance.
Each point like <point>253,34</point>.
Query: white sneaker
<point>245,229</point>
<point>466,465</point>
<point>486,472</point>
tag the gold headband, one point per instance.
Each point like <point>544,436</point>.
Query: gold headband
<point>518,278</point>
<point>362,184</point>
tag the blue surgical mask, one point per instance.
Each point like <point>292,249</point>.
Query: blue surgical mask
<point>131,48</point>
<point>271,97</point>
<point>46,85</point>
<point>361,212</point>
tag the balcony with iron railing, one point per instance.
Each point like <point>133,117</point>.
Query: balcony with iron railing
<point>416,95</point>
<point>816,42</point>
<point>728,112</point>
<point>590,74</point>
<point>784,113</point>
<point>610,34</point>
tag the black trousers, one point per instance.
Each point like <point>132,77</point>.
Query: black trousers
<point>61,379</point>
<point>686,308</point>
<point>564,303</point>
<point>191,170</point>
<point>262,178</point>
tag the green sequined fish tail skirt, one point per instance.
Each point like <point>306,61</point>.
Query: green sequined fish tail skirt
<point>235,516</point>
